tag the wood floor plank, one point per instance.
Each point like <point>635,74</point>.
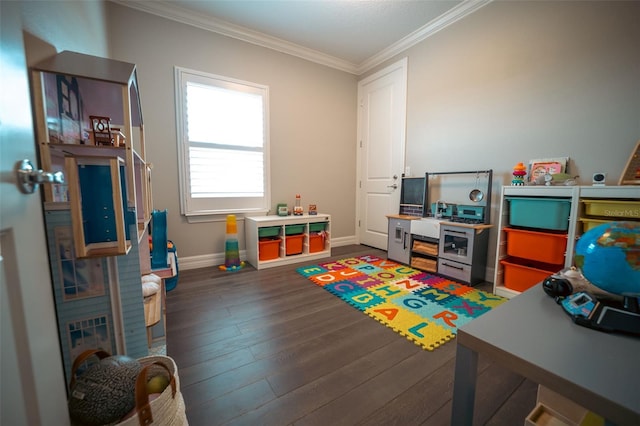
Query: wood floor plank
<point>331,351</point>
<point>212,367</point>
<point>269,347</point>
<point>302,330</point>
<point>495,385</point>
<point>218,411</point>
<point>314,394</point>
<point>364,399</point>
<point>518,406</point>
<point>428,395</point>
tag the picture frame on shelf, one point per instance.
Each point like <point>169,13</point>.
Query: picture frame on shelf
<point>544,166</point>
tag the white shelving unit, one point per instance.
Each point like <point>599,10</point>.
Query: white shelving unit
<point>252,232</point>
<point>577,196</point>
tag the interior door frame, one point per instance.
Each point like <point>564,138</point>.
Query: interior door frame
<point>400,64</point>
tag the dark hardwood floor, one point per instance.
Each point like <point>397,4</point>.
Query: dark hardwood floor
<point>270,348</point>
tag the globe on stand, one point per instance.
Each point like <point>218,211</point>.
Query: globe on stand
<point>609,257</point>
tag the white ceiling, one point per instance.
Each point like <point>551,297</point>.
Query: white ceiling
<point>351,35</point>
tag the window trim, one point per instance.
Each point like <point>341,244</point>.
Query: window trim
<point>194,206</point>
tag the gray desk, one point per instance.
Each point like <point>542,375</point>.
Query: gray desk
<point>532,336</point>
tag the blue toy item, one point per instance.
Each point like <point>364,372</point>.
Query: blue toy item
<point>159,239</point>
<point>171,283</point>
<point>162,248</point>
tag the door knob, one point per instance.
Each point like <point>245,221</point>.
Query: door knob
<point>394,186</point>
<point>29,178</point>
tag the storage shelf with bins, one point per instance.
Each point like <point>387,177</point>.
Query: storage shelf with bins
<point>283,240</point>
<point>69,90</point>
<point>530,253</point>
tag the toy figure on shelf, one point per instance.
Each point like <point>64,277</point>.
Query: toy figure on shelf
<point>231,250</point>
<point>297,208</point>
<point>519,172</point>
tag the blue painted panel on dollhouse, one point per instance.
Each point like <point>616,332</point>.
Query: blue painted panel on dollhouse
<point>81,293</point>
<point>135,330</point>
<point>83,298</point>
<point>98,210</point>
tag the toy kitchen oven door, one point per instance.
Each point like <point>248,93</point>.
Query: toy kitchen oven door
<point>462,253</point>
<point>456,244</point>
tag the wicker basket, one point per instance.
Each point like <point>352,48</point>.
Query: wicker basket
<point>168,409</point>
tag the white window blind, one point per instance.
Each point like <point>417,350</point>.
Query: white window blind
<point>222,144</point>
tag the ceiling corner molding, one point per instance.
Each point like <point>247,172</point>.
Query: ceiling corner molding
<point>167,10</point>
<point>464,9</point>
<point>175,13</point>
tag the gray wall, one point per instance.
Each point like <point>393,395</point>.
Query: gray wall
<point>522,80</point>
<point>512,82</point>
<point>313,120</point>
<point>51,27</point>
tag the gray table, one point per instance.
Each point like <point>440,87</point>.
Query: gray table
<point>532,335</point>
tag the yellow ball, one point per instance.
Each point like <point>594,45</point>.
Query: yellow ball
<point>157,384</point>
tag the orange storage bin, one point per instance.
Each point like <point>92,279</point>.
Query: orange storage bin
<point>539,246</point>
<point>268,248</point>
<point>520,275</point>
<point>316,242</point>
<point>293,244</point>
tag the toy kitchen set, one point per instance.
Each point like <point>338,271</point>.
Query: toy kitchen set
<point>443,224</point>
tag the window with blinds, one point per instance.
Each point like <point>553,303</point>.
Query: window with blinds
<point>222,143</point>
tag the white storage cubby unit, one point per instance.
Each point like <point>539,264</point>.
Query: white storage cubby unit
<point>611,203</point>
<point>306,227</point>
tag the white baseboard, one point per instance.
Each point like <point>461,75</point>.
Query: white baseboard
<point>204,261</point>
<point>217,259</point>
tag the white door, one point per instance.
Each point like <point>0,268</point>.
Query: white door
<point>382,104</point>
<point>32,390</point>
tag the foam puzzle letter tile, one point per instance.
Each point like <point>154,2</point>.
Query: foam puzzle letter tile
<point>409,284</point>
<point>467,307</point>
<point>388,291</point>
<point>422,332</point>
<point>329,277</point>
<point>484,298</point>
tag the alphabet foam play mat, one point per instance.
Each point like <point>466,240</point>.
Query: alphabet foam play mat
<point>425,308</point>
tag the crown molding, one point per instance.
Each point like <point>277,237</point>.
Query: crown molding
<point>170,11</point>
<point>175,13</point>
<point>462,10</point>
